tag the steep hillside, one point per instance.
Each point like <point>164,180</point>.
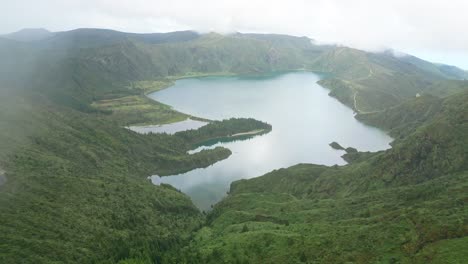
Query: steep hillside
<point>452,71</point>
<point>370,82</point>
<point>446,71</point>
<point>234,54</point>
<point>403,119</point>
<point>75,192</point>
<point>405,205</point>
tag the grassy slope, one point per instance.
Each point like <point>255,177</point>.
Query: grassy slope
<point>446,71</point>
<point>403,205</point>
<point>369,82</point>
<point>402,119</point>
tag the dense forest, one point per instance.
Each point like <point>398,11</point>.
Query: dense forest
<point>74,185</point>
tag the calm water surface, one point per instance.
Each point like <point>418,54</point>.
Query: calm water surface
<point>304,119</point>
<point>169,128</point>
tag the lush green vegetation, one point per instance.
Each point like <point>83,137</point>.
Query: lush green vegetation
<point>120,63</point>
<point>138,110</point>
<point>403,119</point>
<point>218,130</point>
<point>78,193</point>
<point>76,189</point>
<point>404,205</point>
<point>369,82</point>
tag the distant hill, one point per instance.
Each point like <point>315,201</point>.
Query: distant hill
<point>452,71</point>
<point>369,82</point>
<point>446,71</point>
<point>29,34</point>
<point>93,37</point>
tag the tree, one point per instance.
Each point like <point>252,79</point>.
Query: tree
<point>245,229</point>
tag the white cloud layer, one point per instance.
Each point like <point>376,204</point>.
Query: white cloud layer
<point>433,29</point>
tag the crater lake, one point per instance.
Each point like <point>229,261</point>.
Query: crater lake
<point>304,117</point>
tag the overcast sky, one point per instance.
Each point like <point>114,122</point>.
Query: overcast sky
<point>431,29</point>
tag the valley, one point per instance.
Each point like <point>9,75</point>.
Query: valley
<point>77,189</point>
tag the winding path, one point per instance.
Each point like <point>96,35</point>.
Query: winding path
<point>371,73</point>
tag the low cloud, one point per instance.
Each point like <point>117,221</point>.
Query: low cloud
<point>429,27</point>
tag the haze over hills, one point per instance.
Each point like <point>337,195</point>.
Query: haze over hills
<point>29,34</point>
<point>358,76</point>
<point>76,188</point>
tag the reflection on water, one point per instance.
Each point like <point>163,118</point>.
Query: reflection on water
<point>169,128</point>
<point>304,119</point>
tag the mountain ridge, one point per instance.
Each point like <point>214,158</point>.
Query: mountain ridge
<point>366,82</point>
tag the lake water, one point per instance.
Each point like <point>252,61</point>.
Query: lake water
<point>169,128</point>
<point>304,119</point>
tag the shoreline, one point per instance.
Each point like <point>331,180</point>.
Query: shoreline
<point>248,133</point>
<point>169,81</point>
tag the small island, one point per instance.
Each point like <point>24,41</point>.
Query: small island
<point>352,154</point>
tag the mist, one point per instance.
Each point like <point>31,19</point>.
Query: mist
<point>433,30</point>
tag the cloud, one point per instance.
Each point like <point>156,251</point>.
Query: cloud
<point>417,26</point>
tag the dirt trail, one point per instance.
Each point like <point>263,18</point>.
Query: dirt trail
<point>369,75</point>
<point>355,104</point>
